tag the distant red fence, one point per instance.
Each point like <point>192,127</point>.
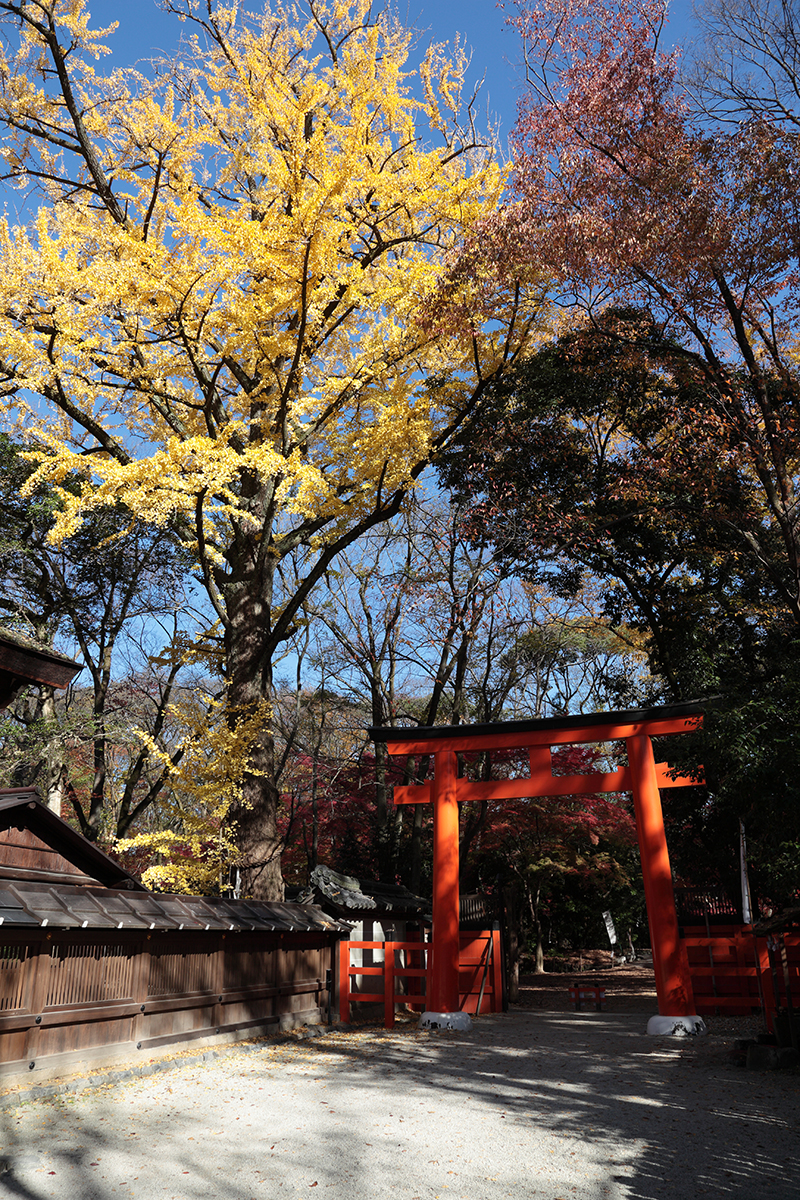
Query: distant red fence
<point>480,974</point>
<point>734,972</point>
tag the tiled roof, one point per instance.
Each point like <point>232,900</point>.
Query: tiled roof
<point>62,906</point>
<point>342,890</point>
<point>365,897</point>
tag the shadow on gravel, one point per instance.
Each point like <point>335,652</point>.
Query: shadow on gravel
<point>665,1126</point>
<point>61,1151</point>
<point>83,1150</point>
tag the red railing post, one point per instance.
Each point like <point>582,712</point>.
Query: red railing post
<point>344,981</point>
<point>388,984</point>
<point>497,972</point>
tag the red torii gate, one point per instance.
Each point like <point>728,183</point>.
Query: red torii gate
<point>643,777</point>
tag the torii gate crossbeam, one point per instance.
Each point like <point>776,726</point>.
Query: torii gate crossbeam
<point>643,777</point>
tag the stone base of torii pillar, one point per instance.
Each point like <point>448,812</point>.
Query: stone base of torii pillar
<point>446,1020</point>
<point>675,1026</point>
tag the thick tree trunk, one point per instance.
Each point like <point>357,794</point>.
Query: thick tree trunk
<point>55,768</point>
<point>313,857</point>
<point>49,770</point>
<point>533,903</point>
<point>511,905</point>
<point>101,676</point>
<point>254,823</point>
<point>98,796</point>
<point>383,838</point>
<point>254,819</point>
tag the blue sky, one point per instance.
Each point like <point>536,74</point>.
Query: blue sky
<point>145,31</point>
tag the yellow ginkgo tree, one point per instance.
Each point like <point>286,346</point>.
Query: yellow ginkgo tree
<point>219,314</point>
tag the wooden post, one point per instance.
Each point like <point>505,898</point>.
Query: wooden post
<point>444,980</point>
<point>497,972</point>
<point>36,991</point>
<point>673,982</point>
<point>217,972</point>
<point>139,987</point>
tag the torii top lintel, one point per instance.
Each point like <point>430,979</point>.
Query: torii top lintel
<point>642,777</point>
<point>543,731</point>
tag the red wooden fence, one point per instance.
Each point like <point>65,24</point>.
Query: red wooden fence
<point>734,972</point>
<point>480,975</point>
<point>480,972</point>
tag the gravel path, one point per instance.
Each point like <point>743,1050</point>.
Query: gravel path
<point>528,1104</point>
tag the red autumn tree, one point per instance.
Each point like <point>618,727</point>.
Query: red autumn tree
<point>627,190</point>
<point>565,858</point>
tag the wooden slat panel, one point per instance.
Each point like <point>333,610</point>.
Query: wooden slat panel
<point>180,973</point>
<point>89,992</point>
<point>58,1039</point>
<point>13,962</point>
<point>84,974</point>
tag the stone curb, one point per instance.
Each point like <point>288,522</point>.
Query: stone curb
<point>771,1058</point>
<point>46,1091</point>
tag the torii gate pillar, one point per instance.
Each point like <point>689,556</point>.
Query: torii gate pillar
<point>444,974</point>
<point>673,981</point>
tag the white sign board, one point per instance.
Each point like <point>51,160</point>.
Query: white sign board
<point>612,933</point>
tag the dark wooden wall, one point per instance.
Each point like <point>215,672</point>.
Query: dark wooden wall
<point>23,855</point>
<point>68,996</point>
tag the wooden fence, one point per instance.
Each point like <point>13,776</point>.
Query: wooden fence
<point>480,974</point>
<point>71,996</point>
<point>734,972</point>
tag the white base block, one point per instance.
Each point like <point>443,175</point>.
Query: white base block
<point>676,1026</point>
<point>435,1020</point>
